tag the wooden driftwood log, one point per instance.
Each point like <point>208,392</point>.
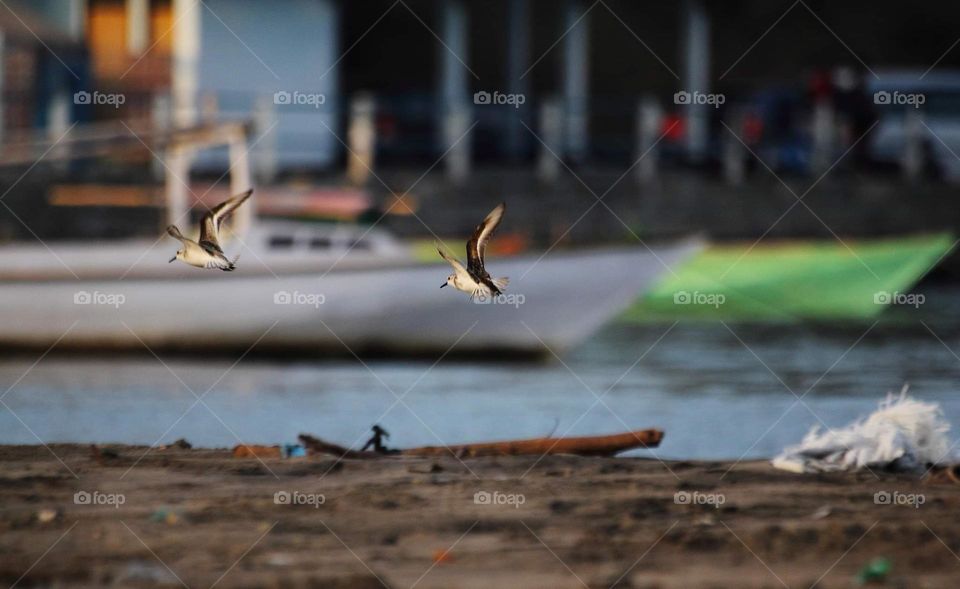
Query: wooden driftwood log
<point>583,446</point>
<point>318,446</point>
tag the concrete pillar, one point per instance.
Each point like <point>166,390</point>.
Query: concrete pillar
<point>696,75</point>
<point>362,139</point>
<point>138,26</point>
<point>178,161</point>
<point>649,123</point>
<point>58,121</point>
<point>824,133</point>
<point>518,58</point>
<point>734,153</point>
<point>67,16</point>
<point>265,130</point>
<point>454,92</point>
<point>161,117</point>
<point>186,61</point>
<point>576,80</point>
<point>241,181</point>
<point>328,33</point>
<point>551,136</point>
<point>3,77</point>
<point>913,159</point>
<point>209,107</point>
<point>78,19</point>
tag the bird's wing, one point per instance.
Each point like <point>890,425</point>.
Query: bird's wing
<point>210,225</point>
<point>175,233</point>
<point>457,266</point>
<point>477,246</point>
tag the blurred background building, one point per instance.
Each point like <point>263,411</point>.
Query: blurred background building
<point>525,98</point>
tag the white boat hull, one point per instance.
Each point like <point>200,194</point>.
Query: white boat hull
<point>551,304</point>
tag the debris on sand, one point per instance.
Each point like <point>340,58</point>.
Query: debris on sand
<point>903,435</point>
<point>180,444</point>
<point>101,455</point>
<point>875,571</point>
<point>443,556</point>
<point>254,451</point>
<point>45,516</point>
<point>167,516</point>
<point>944,474</point>
<point>294,451</point>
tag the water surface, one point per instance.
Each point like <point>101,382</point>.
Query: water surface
<point>718,390</point>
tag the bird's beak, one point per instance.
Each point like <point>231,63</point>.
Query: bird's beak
<point>442,285</point>
<point>172,260</point>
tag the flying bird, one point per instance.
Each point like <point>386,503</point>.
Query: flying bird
<point>474,279</point>
<point>206,253</point>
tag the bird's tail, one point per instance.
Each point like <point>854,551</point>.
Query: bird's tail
<point>233,264</point>
<point>501,283</point>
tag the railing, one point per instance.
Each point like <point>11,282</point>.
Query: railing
<point>176,149</point>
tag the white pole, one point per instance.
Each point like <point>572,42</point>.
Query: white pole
<point>264,123</point>
<point>362,139</point>
<point>241,181</point>
<point>551,133</point>
<point>76,15</point>
<point>734,153</point>
<point>456,126</point>
<point>177,181</point>
<point>824,137</point>
<point>455,109</point>
<point>696,53</point>
<point>328,31</point>
<point>186,58</point>
<point>3,77</point>
<point>912,160</point>
<point>576,80</point>
<point>58,121</point>
<point>518,59</point>
<point>161,119</point>
<point>138,26</point>
<point>649,120</point>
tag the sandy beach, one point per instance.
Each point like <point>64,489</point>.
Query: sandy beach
<point>198,518</point>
